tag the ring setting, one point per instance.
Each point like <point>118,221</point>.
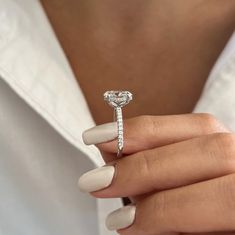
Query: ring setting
<point>117,100</point>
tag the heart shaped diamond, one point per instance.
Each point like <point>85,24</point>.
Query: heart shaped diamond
<point>117,98</point>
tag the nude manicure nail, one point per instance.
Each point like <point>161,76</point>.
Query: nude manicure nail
<point>121,218</point>
<point>99,134</point>
<point>96,179</point>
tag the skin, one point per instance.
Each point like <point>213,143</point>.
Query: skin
<point>178,169</point>
<point>171,45</point>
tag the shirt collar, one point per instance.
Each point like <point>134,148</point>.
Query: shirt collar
<point>34,65</point>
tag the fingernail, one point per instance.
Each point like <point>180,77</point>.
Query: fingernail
<point>96,179</point>
<point>100,134</point>
<point>121,218</point>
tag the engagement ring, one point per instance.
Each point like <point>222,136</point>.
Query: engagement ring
<point>117,100</point>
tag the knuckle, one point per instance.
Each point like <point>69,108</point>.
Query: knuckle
<point>142,121</point>
<point>225,143</point>
<point>209,122</point>
<point>149,123</point>
<point>140,164</point>
<point>144,118</point>
<point>157,207</point>
<point>222,145</point>
<point>160,204</point>
<point>227,193</point>
<point>146,163</point>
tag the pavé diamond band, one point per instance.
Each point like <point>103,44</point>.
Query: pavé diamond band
<point>117,100</point>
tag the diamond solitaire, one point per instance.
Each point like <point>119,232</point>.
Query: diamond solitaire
<point>118,99</point>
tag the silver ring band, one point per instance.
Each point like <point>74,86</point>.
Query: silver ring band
<point>117,100</point>
<point>119,120</point>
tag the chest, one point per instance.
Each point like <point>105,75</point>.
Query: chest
<point>163,61</point>
<point>165,76</point>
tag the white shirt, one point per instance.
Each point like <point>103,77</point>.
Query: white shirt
<point>42,116</point>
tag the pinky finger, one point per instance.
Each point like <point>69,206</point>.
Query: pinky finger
<point>199,208</point>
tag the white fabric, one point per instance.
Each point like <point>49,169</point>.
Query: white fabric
<point>39,167</point>
<point>42,115</point>
<point>218,96</point>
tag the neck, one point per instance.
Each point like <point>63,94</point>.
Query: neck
<point>113,21</point>
<point>124,17</point>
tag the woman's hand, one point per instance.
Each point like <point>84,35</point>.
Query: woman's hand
<point>179,171</point>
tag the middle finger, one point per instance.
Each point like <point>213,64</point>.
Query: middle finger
<point>171,166</point>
